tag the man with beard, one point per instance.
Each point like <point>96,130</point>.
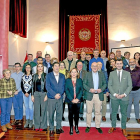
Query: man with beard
<point>134,95</point>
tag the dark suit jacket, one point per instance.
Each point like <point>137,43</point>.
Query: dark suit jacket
<point>70,91</point>
<point>53,87</point>
<point>83,74</point>
<point>125,63</point>
<point>106,78</point>
<point>88,84</point>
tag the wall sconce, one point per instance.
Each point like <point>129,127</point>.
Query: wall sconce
<point>122,40</point>
<point>49,42</point>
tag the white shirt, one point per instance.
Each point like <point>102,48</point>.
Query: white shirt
<point>56,76</point>
<point>120,80</point>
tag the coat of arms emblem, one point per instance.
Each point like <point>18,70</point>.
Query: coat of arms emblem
<point>84,34</point>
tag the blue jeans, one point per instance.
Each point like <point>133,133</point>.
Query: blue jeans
<point>134,98</point>
<point>18,105</point>
<point>28,107</point>
<point>6,105</point>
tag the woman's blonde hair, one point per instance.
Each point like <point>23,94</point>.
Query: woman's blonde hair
<point>4,71</point>
<point>71,71</point>
<point>54,58</point>
<point>37,67</point>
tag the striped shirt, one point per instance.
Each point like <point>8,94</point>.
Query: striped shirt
<point>7,85</point>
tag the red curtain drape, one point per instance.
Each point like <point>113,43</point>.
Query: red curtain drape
<point>63,32</point>
<point>104,28</point>
<point>69,7</point>
<point>18,17</point>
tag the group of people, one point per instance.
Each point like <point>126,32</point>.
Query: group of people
<point>45,85</point>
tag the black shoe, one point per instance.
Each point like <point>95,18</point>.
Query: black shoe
<point>81,118</point>
<point>76,130</point>
<point>15,122</point>
<point>45,129</point>
<point>71,130</point>
<point>63,119</point>
<point>20,122</point>
<point>59,131</point>
<point>99,130</point>
<point>118,118</point>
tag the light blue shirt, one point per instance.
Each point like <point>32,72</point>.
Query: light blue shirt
<point>48,64</point>
<point>17,77</point>
<point>95,77</point>
<point>104,60</point>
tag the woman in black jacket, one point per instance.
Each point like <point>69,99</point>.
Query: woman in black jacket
<point>39,97</point>
<point>74,91</point>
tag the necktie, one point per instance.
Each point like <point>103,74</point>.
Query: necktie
<point>119,75</point>
<point>80,74</point>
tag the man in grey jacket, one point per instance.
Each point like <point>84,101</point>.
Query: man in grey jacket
<point>119,85</point>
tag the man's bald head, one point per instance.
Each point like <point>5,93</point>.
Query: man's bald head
<point>132,62</point>
<point>94,67</point>
<point>118,53</point>
<point>103,54</point>
<point>39,54</point>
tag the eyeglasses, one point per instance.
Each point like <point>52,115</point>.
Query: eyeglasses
<point>28,67</point>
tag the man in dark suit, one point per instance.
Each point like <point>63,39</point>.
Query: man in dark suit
<point>94,84</point>
<point>47,62</point>
<point>55,83</point>
<point>126,60</point>
<point>82,74</point>
<point>119,85</point>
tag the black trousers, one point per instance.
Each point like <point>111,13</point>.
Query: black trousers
<point>63,109</point>
<point>73,111</point>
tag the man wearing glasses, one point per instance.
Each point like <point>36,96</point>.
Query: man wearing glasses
<point>69,61</point>
<point>94,84</point>
<point>118,55</point>
<point>18,97</point>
